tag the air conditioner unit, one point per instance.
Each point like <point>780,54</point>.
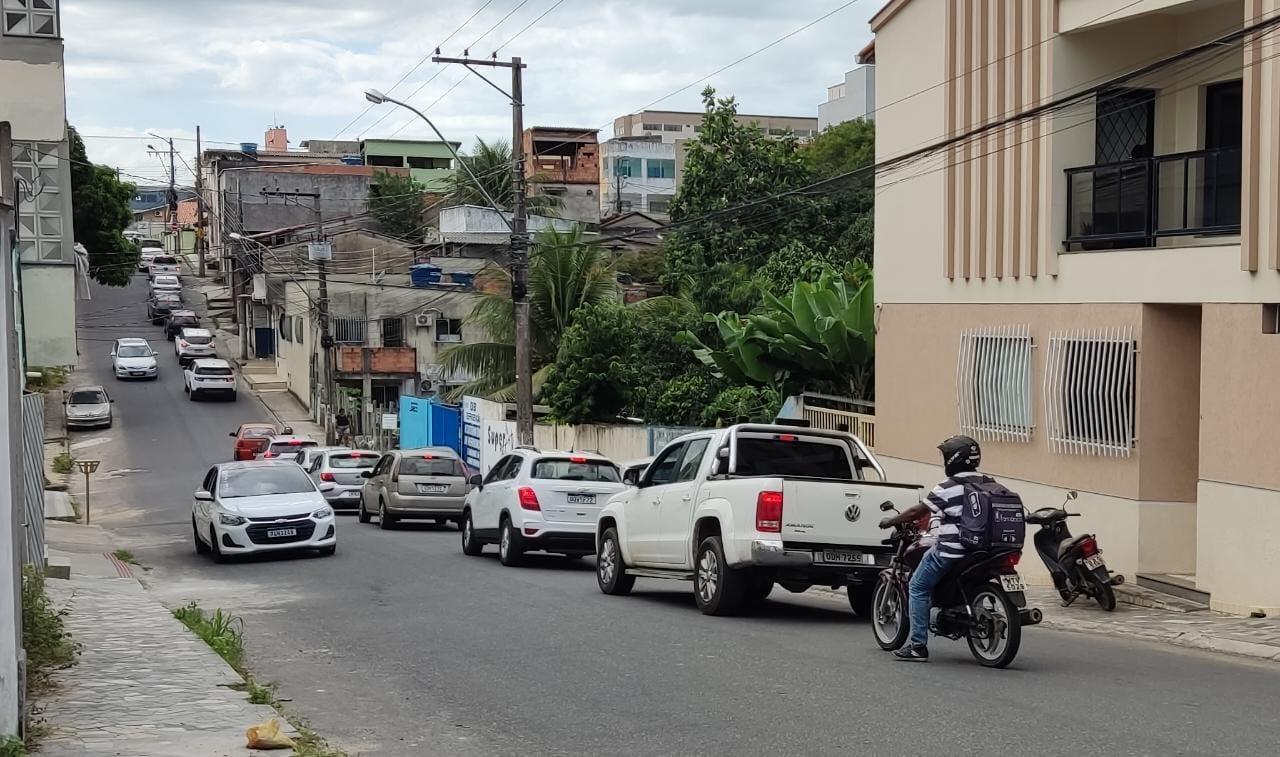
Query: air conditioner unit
<point>424,320</point>
<point>427,386</point>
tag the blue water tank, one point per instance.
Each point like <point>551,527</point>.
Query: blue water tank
<point>249,148</point>
<point>467,280</point>
<point>352,160</point>
<point>424,274</point>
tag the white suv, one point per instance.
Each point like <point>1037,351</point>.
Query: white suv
<point>533,500</point>
<point>193,343</point>
<point>208,376</point>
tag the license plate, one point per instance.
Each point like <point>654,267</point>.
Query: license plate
<point>433,488</point>
<point>280,533</point>
<point>1012,583</point>
<point>846,557</point>
<point>582,499</point>
<point>137,373</point>
<point>1094,562</point>
<point>349,495</point>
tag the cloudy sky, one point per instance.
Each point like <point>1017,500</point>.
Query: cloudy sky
<point>237,66</point>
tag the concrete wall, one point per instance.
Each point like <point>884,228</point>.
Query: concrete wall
<point>618,443</point>
<point>49,314</point>
<point>432,178</point>
<point>33,98</point>
<point>341,195</point>
<point>1074,15</point>
<point>857,98</point>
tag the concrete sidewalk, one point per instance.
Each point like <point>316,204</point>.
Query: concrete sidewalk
<point>144,685</point>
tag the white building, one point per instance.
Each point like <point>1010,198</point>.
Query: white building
<point>853,98</point>
<point>638,174</point>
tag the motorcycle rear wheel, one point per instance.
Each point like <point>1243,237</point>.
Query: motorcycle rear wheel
<point>995,612</point>
<point>1105,595</point>
<point>889,620</point>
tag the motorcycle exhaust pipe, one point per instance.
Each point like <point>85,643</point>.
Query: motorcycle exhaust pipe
<point>1030,617</point>
<point>1117,579</point>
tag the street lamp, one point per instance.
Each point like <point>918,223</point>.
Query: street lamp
<point>86,467</point>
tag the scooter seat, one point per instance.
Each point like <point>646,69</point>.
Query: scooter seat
<point>1069,545</point>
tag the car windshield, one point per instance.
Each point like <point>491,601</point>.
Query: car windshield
<point>257,432</point>
<point>134,350</point>
<point>576,469</point>
<point>430,466</point>
<point>213,370</point>
<point>87,397</point>
<point>352,460</point>
<point>264,481</point>
<point>795,457</point>
<point>290,446</point>
<point>197,338</point>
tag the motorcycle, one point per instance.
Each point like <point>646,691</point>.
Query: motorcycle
<point>1074,562</point>
<point>982,599</point>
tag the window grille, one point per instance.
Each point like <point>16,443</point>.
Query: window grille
<point>348,330</point>
<point>1090,392</point>
<point>993,383</point>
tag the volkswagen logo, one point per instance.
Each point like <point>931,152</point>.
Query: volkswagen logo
<point>852,513</point>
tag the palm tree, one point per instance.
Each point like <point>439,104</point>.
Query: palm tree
<point>491,164</point>
<point>565,273</point>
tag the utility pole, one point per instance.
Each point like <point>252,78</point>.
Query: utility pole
<point>200,239</point>
<point>322,305</point>
<point>617,199</point>
<point>519,237</point>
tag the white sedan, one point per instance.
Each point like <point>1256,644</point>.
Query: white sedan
<point>257,506</point>
<point>166,283</point>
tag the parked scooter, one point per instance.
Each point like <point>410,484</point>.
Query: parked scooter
<point>1075,562</point>
<point>981,600</point>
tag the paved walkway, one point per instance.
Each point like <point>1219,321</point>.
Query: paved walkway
<point>144,685</point>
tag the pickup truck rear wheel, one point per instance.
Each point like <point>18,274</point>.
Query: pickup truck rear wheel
<point>718,589</point>
<point>611,572</point>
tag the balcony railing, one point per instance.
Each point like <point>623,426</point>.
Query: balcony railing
<point>1133,202</point>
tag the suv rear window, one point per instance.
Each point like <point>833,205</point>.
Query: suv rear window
<point>347,461</point>
<point>257,432</point>
<point>214,370</point>
<point>290,446</point>
<point>799,458</point>
<point>568,469</point>
<point>430,466</point>
<point>198,339</point>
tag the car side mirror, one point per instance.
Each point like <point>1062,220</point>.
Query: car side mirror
<point>886,506</point>
<point>203,496</point>
<point>366,474</point>
<point>287,430</point>
<point>232,434</point>
<point>476,480</point>
<point>631,477</point>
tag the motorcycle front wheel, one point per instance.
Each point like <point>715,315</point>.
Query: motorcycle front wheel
<point>997,630</point>
<point>889,615</point>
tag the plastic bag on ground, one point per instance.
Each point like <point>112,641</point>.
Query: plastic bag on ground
<point>268,736</point>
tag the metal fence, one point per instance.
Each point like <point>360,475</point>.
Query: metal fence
<point>33,476</point>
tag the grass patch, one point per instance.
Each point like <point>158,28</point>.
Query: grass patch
<point>64,463</point>
<point>124,555</point>
<point>224,632</point>
<point>44,635</point>
<point>49,378</point>
<point>12,746</point>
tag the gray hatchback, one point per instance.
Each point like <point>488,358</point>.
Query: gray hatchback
<point>343,469</point>
<point>429,483</point>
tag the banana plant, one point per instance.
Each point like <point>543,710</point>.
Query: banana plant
<point>820,336</point>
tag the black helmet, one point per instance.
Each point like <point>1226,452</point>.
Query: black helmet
<point>960,454</point>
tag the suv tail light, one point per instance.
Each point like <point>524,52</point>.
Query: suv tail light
<point>326,476</point>
<point>1088,547</point>
<point>769,512</point>
<point>528,499</point>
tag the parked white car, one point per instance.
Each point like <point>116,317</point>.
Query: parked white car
<point>259,506</point>
<point>736,510</point>
<point>166,283</point>
<point>132,357</point>
<point>533,500</point>
<point>191,344</point>
<point>146,255</point>
<point>163,265</point>
<point>208,376</point>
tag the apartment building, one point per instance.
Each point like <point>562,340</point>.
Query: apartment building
<point>33,99</point>
<point>639,175</point>
<point>565,162</point>
<point>1093,292</point>
<point>675,126</point>
<point>429,161</point>
<point>855,97</point>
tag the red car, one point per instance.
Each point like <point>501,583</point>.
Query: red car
<point>251,439</point>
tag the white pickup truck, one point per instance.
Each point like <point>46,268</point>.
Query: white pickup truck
<point>737,510</point>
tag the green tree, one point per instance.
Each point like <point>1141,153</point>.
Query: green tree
<point>100,214</point>
<point>491,164</point>
<point>743,404</point>
<point>397,202</point>
<point>841,148</point>
<point>566,272</point>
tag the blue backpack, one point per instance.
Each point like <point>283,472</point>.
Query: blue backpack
<point>992,516</point>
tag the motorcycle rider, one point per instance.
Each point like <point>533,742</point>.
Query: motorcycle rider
<point>961,456</point>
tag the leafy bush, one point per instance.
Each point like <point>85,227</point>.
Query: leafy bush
<point>44,635</point>
<point>63,463</point>
<point>743,404</point>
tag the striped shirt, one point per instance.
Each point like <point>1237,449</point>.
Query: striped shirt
<point>946,501</point>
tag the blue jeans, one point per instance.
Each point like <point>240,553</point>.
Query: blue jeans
<point>930,571</point>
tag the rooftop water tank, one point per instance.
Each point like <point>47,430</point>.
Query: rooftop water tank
<point>249,148</point>
<point>352,160</point>
<point>424,274</point>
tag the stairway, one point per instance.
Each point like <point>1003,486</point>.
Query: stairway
<point>1179,589</point>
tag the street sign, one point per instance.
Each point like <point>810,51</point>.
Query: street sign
<point>319,251</point>
<point>389,421</point>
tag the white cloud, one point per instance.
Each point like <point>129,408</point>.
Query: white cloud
<point>236,66</point>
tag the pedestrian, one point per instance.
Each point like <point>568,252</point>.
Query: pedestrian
<point>342,426</point>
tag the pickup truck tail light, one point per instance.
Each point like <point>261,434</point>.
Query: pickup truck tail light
<point>528,499</point>
<point>769,512</point>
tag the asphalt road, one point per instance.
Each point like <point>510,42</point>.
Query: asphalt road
<point>401,645</point>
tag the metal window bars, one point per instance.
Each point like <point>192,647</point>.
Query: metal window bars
<point>993,383</point>
<point>348,330</point>
<point>1090,392</point>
